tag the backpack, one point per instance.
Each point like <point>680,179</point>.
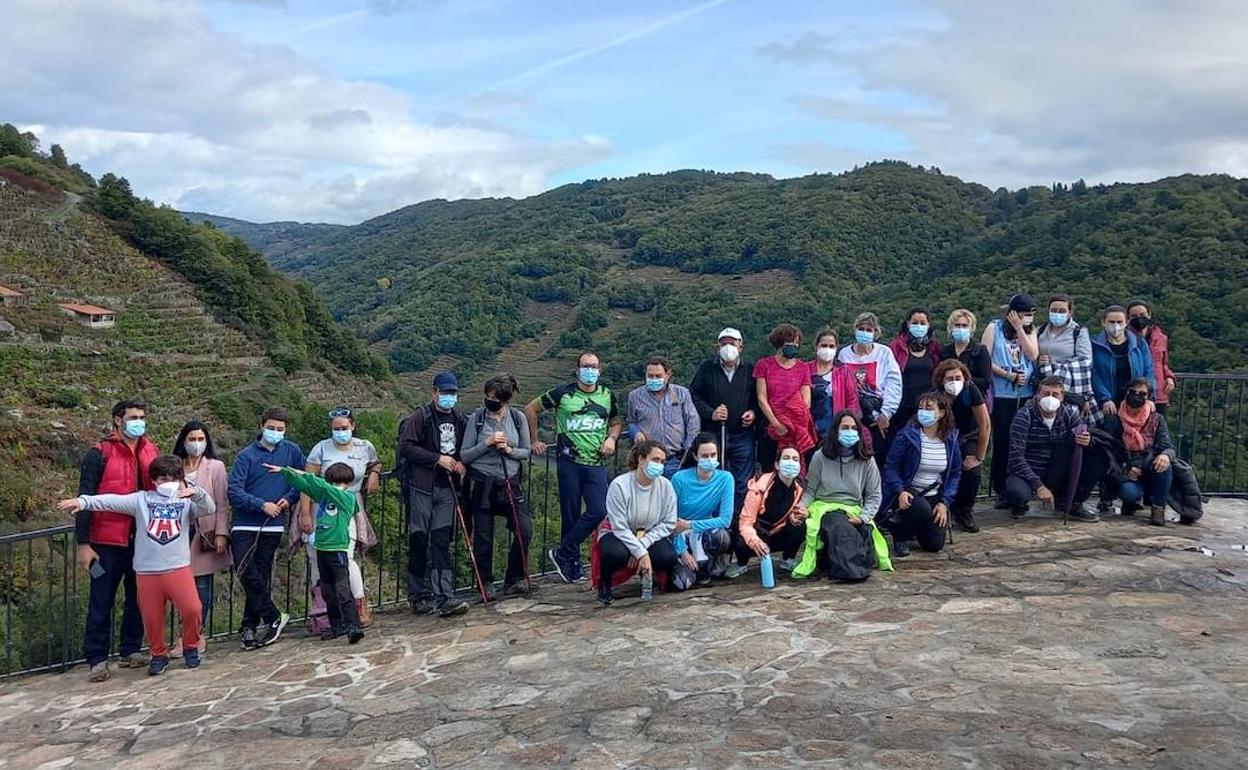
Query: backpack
<point>403,471</point>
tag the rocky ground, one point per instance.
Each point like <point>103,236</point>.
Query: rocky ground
<point>1029,645</point>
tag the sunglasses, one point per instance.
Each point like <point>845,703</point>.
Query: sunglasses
<point>340,412</point>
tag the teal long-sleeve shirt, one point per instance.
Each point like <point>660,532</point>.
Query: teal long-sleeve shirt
<point>706,505</point>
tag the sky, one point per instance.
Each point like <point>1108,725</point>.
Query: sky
<point>340,110</point>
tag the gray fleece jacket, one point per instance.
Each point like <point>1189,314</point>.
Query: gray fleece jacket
<point>850,482</point>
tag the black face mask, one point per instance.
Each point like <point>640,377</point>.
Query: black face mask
<point>493,404</point>
<point>789,350</point>
<point>1140,323</point>
<point>1136,400</point>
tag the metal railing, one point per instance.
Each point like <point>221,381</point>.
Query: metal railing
<point>45,598</point>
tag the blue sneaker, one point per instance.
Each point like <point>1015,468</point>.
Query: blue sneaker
<point>191,657</point>
<point>579,572</point>
<point>159,663</point>
<point>565,567</point>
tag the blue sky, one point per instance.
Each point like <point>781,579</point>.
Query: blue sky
<point>338,110</point>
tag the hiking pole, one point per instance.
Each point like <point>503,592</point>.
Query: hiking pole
<point>517,532</point>
<point>463,529</point>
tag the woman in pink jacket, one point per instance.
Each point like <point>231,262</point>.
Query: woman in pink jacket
<point>210,551</point>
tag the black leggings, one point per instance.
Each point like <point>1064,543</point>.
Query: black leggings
<point>786,540</point>
<point>968,486</point>
<point>489,498</point>
<point>612,555</point>
<point>1003,411</point>
<point>916,523</point>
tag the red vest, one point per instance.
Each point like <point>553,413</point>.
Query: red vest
<point>124,472</point>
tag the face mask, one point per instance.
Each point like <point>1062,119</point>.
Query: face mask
<point>272,437</point>
<point>954,388</point>
<point>195,448</point>
<point>653,470</point>
<point>1059,319</point>
<point>926,417</point>
<point>168,488</point>
<point>826,354</point>
<point>729,353</point>
<point>864,336</point>
<point>588,375</point>
<point>1050,404</point>
<point>918,331</point>
<point>1136,400</point>
<point>135,428</point>
<point>788,468</point>
<point>655,384</point>
<point>1028,320</point>
<point>1115,330</point>
<point>447,401</point>
<point>1140,323</point>
<point>848,437</point>
<point>341,436</point>
<point>789,350</point>
<point>493,404</point>
<point>961,335</point>
<point>707,463</point>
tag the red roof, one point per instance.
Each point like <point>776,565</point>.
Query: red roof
<point>5,291</point>
<point>86,309</point>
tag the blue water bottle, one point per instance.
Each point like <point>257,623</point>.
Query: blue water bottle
<point>768,571</point>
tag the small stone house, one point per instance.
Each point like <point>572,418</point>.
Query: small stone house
<point>11,297</point>
<point>91,316</point>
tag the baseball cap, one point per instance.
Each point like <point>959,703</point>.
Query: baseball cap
<point>730,332</point>
<point>445,381</point>
<point>1022,303</point>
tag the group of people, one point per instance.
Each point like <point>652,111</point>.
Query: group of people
<point>839,465</point>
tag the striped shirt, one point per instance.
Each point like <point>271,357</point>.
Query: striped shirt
<point>931,465</point>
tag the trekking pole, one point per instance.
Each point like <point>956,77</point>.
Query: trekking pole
<point>517,532</point>
<point>472,557</point>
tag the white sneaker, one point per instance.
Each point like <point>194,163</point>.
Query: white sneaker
<point>735,571</point>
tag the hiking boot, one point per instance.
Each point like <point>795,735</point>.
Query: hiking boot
<point>248,639</point>
<point>517,589</point>
<point>354,634</point>
<point>735,571</point>
<point>565,567</point>
<point>158,665</point>
<point>787,565</point>
<point>901,549</point>
<point>1018,512</point>
<point>133,660</point>
<point>273,631</point>
<point>192,658</point>
<point>491,595</point>
<point>1080,513</point>
<point>424,606</point>
<point>1002,504</point>
<point>330,634</point>
<point>453,608</point>
<point>99,673</point>
<point>966,521</point>
<point>604,594</point>
<point>1157,515</point>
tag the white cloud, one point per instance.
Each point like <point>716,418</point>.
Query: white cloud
<point>1035,92</point>
<point>148,88</point>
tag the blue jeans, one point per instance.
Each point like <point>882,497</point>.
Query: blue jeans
<point>118,564</point>
<point>672,465</point>
<point>1151,487</point>
<point>739,461</point>
<point>580,483</point>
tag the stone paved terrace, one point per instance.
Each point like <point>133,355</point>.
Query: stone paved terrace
<point>1030,645</point>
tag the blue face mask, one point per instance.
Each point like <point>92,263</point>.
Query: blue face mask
<point>588,375</point>
<point>655,384</point>
<point>961,335</point>
<point>447,401</point>
<point>707,463</point>
<point>789,468</point>
<point>848,437</point>
<point>341,436</point>
<point>1059,319</point>
<point>864,337</point>
<point>926,417</point>
<point>135,428</point>
<point>653,470</point>
<point>918,331</point>
<point>272,437</point>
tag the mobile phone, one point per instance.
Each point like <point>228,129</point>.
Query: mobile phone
<point>96,569</point>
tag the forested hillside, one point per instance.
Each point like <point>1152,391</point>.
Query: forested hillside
<point>660,263</point>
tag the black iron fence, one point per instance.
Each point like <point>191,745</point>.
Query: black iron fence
<point>44,594</point>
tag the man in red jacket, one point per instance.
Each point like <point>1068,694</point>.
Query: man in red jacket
<point>1140,318</point>
<point>117,465</point>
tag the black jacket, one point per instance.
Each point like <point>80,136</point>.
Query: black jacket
<point>418,444</point>
<point>710,388</point>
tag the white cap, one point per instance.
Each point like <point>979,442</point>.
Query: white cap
<point>730,332</point>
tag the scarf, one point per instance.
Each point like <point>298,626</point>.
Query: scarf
<point>1138,426</point>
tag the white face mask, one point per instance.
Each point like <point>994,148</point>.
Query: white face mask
<point>1028,320</point>
<point>954,388</point>
<point>826,354</point>
<point>168,488</point>
<point>729,353</point>
<point>1115,330</point>
<point>195,448</point>
<point>1050,404</point>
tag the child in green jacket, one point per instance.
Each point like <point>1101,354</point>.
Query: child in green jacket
<point>331,538</point>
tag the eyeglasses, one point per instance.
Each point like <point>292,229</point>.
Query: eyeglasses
<point>339,412</point>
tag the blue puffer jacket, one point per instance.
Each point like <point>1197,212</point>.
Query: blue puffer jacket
<point>1138,354</point>
<point>903,463</point>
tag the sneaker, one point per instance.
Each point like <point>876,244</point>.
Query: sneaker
<point>1083,514</point>
<point>735,571</point>
<point>1002,504</point>
<point>578,570</point>
<point>330,634</point>
<point>248,640</point>
<point>175,651</point>
<point>565,567</point>
<point>1130,509</point>
<point>1018,513</point>
<point>192,658</point>
<point>157,665</point>
<point>273,631</point>
<point>704,575</point>
<point>901,549</point>
<point>99,673</point>
<point>355,634</point>
<point>452,608</point>
<point>133,660</point>
<point>966,521</point>
<point>423,606</point>
<point>491,595</point>
<point>604,595</point>
<point>787,565</point>
<point>517,589</point>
